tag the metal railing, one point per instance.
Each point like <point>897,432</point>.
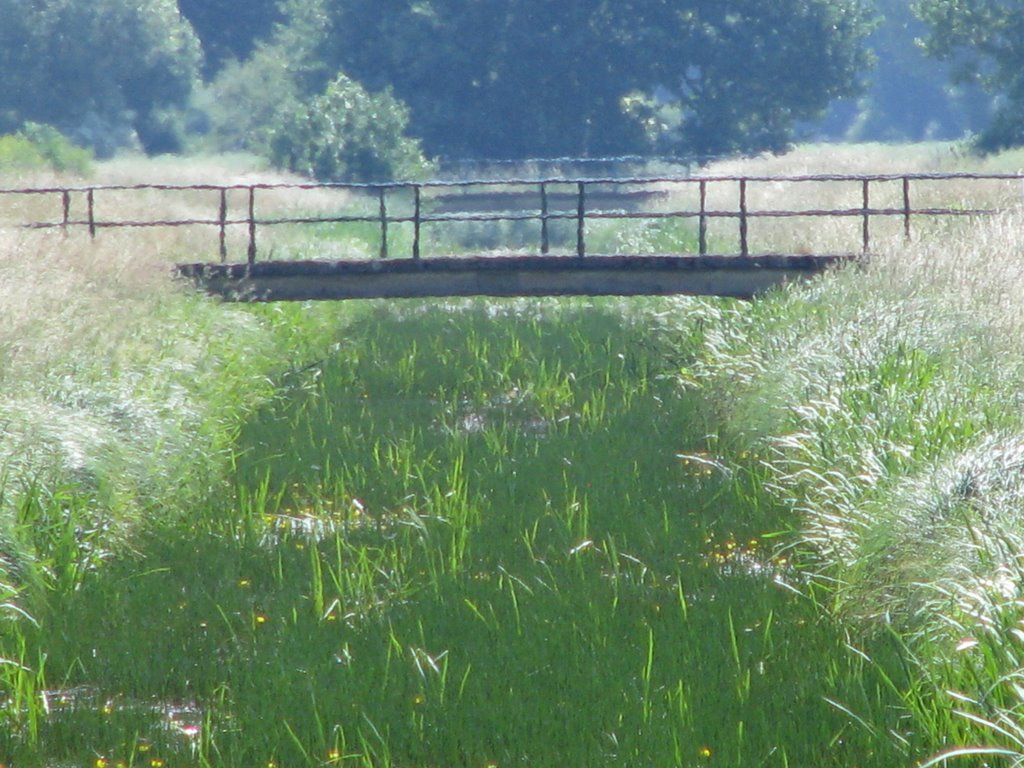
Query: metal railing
<point>544,201</point>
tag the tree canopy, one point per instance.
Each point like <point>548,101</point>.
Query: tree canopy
<point>520,78</point>
<point>97,69</point>
<point>985,41</point>
<point>230,29</point>
<point>510,79</point>
<point>909,95</point>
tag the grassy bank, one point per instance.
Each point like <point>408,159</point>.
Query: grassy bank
<point>121,394</point>
<point>644,532</point>
<point>887,405</point>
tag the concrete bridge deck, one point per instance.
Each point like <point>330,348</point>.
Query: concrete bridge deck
<point>595,275</point>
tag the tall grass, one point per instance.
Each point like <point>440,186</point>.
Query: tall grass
<point>886,401</point>
<point>120,396</point>
<point>667,532</point>
<point>479,533</point>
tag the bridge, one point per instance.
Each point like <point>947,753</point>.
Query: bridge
<point>697,235</point>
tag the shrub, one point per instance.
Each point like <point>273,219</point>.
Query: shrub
<point>348,134</point>
<point>19,154</point>
<point>246,100</point>
<point>38,147</point>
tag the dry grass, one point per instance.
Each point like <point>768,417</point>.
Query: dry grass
<point>889,397</point>
<point>845,234</point>
<point>68,297</point>
<point>192,242</point>
<point>112,372</point>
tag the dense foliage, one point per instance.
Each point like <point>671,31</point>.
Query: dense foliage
<point>514,79</point>
<point>909,95</point>
<point>99,71</point>
<point>347,134</point>
<point>36,147</point>
<point>985,41</point>
<point>500,79</point>
<point>229,29</point>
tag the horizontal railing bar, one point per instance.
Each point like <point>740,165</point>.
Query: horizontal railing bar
<point>840,212</point>
<point>125,224</point>
<point>440,184</point>
<point>527,216</point>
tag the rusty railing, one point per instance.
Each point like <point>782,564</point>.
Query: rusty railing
<point>544,201</point>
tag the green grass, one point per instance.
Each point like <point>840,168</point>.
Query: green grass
<point>887,403</point>
<point>468,537</point>
<point>553,532</point>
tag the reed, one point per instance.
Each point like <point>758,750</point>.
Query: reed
<point>660,532</point>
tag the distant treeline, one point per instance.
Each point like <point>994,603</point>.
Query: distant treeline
<point>362,89</point>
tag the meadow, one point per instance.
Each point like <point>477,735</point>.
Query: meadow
<point>689,532</point>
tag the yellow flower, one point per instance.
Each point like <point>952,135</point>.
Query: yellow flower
<point>101,762</point>
<point>704,752</point>
<point>244,583</point>
<point>156,762</point>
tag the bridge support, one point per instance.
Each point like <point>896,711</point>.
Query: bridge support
<point>709,275</point>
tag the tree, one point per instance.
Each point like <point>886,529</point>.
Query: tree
<point>15,57</point>
<point>348,134</point>
<point>909,95</point>
<point>246,100</point>
<point>520,78</point>
<point>249,103</point>
<point>98,71</point>
<point>230,29</point>
<point>984,40</point>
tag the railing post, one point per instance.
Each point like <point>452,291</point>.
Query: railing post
<point>702,227</point>
<point>383,223</point>
<point>545,243</point>
<point>222,220</point>
<point>416,221</point>
<point>65,201</point>
<point>252,225</point>
<point>866,200</point>
<point>906,208</point>
<point>581,208</point>
<point>744,248</point>
<point>90,199</point>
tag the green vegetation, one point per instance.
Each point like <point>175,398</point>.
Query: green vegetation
<point>104,73</point>
<point>909,95</point>
<point>491,80</point>
<point>348,134</point>
<point>39,147</point>
<point>462,556</point>
<point>982,38</point>
<point>230,30</point>
<point>612,532</point>
<point>601,79</point>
